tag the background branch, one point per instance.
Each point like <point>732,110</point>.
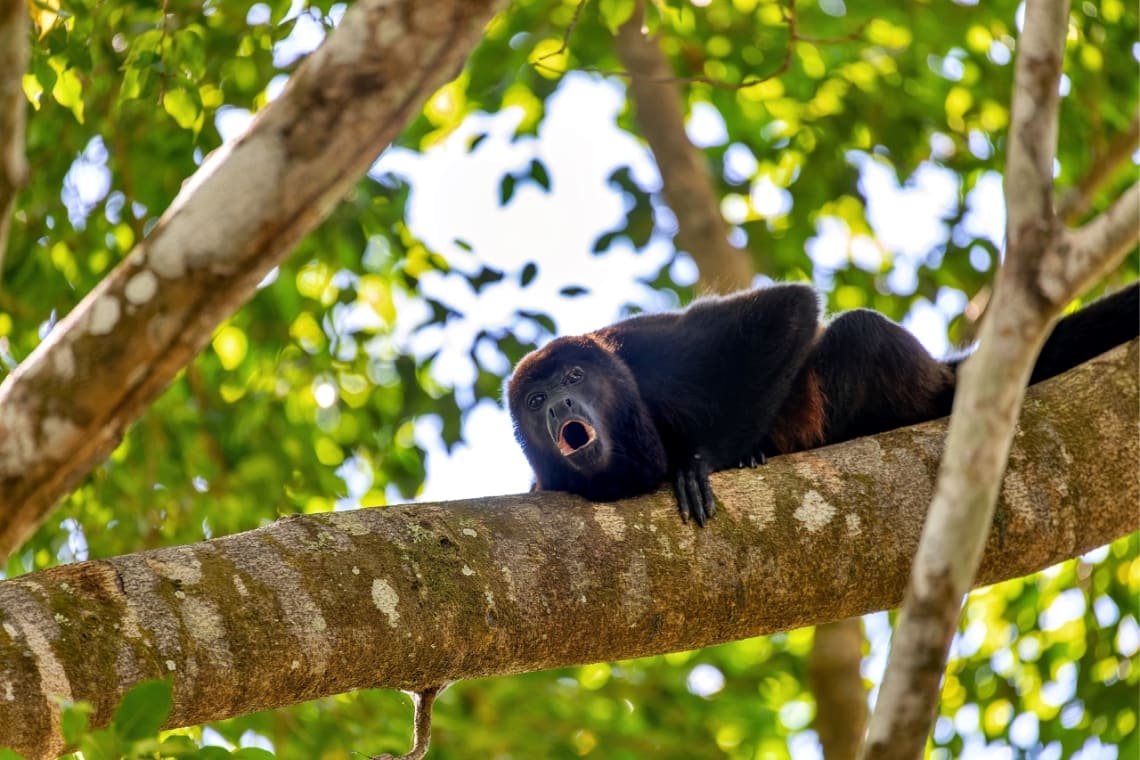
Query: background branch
<point>412,596</point>
<point>686,182</point>
<point>1077,200</point>
<point>837,685</point>
<point>13,112</point>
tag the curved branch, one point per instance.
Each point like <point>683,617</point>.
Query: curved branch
<point>66,406</point>
<point>411,596</point>
<point>1090,252</point>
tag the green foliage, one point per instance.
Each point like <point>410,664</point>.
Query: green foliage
<point>292,394</point>
<point>134,731</point>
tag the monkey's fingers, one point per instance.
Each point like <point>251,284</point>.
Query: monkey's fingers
<point>681,491</point>
<point>707,495</point>
<point>694,493</point>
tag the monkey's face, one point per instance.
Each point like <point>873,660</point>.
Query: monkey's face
<point>560,415</point>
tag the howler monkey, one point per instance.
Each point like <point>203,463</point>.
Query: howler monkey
<point>734,379</point>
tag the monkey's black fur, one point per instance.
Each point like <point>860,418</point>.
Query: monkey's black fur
<point>734,379</point>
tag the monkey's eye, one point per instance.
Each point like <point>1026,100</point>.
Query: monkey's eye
<point>535,400</point>
<point>575,375</point>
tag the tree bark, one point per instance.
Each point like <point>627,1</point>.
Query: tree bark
<point>13,112</point>
<point>67,405</point>
<point>416,595</point>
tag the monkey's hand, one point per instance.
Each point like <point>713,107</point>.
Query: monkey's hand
<point>694,493</point>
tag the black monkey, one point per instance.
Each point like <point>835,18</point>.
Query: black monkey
<point>733,379</point>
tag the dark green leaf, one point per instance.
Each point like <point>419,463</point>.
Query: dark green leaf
<point>528,273</point>
<point>506,189</point>
<point>540,175</point>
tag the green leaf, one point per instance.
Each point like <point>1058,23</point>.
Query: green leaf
<point>143,710</point>
<point>486,276</point>
<point>103,744</point>
<point>507,189</point>
<point>68,92</point>
<point>540,175</point>
<point>75,721</point>
<point>615,13</point>
<point>184,107</point>
<point>279,10</point>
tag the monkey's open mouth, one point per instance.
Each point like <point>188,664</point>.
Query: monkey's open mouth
<point>574,436</point>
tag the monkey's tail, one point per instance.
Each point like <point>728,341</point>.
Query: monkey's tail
<point>1089,332</point>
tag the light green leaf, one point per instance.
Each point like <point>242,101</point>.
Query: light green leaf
<point>615,12</point>
<point>68,92</point>
<point>184,107</point>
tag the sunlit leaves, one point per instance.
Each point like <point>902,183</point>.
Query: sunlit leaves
<point>231,345</point>
<point>33,90</point>
<point>45,14</point>
<point>68,88</point>
<point>185,107</point>
<point>616,12</point>
<point>550,58</point>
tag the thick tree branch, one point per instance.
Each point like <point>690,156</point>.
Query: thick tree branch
<point>991,386</point>
<point>13,112</point>
<point>67,405</point>
<point>685,178</point>
<point>1077,200</point>
<point>412,596</point>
